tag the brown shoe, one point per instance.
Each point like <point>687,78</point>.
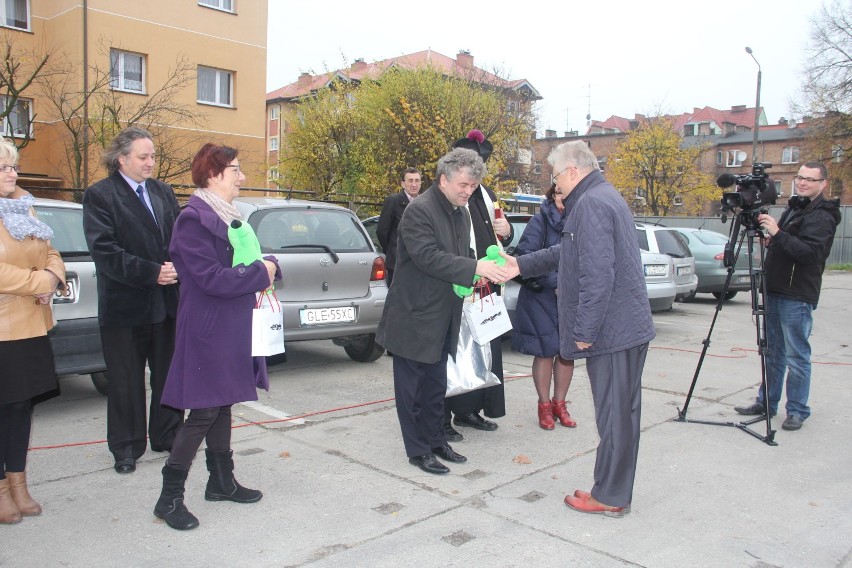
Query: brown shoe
<point>18,487</point>
<point>9,513</point>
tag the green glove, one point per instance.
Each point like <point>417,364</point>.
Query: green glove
<point>245,243</point>
<point>492,254</point>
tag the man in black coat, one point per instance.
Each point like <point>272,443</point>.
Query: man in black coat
<point>128,219</point>
<point>391,215</point>
<point>422,315</point>
<point>487,228</point>
<point>798,246</point>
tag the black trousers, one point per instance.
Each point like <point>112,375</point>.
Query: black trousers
<point>126,352</point>
<point>214,424</point>
<point>15,424</point>
<point>420,389</point>
<point>490,401</point>
<point>616,381</point>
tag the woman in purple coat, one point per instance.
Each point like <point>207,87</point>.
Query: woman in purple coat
<point>536,329</point>
<point>212,367</point>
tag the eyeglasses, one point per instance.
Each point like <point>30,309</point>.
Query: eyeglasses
<point>235,166</point>
<point>559,173</point>
<point>6,169</point>
<point>809,180</point>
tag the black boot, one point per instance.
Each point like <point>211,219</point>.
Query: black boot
<point>170,506</point>
<point>222,486</point>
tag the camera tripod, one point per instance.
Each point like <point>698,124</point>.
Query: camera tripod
<point>750,232</point>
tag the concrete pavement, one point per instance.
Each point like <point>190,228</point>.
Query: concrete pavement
<point>338,490</point>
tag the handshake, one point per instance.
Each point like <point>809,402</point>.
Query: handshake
<point>496,267</point>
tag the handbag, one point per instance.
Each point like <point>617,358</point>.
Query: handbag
<point>471,368</point>
<point>267,325</point>
<point>487,316</point>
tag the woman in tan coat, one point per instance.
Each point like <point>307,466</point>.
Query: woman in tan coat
<point>30,271</point>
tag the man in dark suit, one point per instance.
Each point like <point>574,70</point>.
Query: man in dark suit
<point>128,219</point>
<point>422,315</point>
<point>391,215</point>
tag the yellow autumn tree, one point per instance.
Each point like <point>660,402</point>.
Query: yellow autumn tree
<point>653,163</point>
<point>360,138</point>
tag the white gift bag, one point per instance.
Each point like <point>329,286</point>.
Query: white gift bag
<point>471,369</point>
<point>267,325</point>
<point>487,317</point>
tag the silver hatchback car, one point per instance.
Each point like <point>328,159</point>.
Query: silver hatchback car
<point>333,283</point>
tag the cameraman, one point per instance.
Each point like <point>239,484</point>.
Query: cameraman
<point>798,246</point>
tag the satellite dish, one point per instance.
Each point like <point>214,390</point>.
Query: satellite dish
<point>741,156</point>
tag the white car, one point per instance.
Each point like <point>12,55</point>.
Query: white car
<point>664,240</point>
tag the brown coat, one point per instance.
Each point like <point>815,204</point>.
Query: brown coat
<point>23,266</point>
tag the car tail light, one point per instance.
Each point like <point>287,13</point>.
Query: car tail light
<point>378,272</point>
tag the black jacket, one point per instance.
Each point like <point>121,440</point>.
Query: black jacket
<point>795,258</point>
<point>128,249</point>
<point>389,219</point>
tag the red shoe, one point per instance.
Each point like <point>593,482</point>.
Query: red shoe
<point>580,494</point>
<point>560,412</point>
<point>585,506</point>
<point>545,419</point>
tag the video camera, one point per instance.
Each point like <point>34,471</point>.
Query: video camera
<point>753,190</point>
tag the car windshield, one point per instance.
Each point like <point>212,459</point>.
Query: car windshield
<point>673,244</point>
<point>67,224</point>
<point>307,229</point>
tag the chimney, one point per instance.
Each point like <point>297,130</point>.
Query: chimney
<point>550,134</point>
<point>571,133</point>
<point>738,108</point>
<point>464,59</point>
<point>305,79</point>
<point>782,121</point>
<point>359,65</point>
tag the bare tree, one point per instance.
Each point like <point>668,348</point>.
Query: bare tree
<point>110,110</point>
<point>19,69</point>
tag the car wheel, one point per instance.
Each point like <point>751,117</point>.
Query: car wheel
<point>364,349</point>
<point>728,296</point>
<point>687,297</point>
<point>100,381</point>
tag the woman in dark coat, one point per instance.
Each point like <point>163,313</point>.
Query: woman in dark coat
<point>536,330</point>
<point>212,367</point>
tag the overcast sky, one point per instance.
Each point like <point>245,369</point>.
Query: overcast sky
<point>605,56</point>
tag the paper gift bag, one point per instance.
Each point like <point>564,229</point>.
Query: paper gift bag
<point>488,318</point>
<point>267,326</point>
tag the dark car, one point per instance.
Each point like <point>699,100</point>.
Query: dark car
<point>708,248</point>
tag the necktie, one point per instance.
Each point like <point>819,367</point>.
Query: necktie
<point>140,191</point>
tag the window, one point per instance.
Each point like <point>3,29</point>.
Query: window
<point>790,155</point>
<point>690,129</point>
<point>835,188</point>
<point>18,123</point>
<point>779,189</point>
<point>837,153</point>
<point>720,157</point>
<point>273,144</point>
<point>274,113</point>
<point>215,86</point>
<point>15,14</point>
<point>735,158</point>
<point>224,5</point>
<point>126,71</point>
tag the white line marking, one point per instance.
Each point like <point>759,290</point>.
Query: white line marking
<point>269,411</point>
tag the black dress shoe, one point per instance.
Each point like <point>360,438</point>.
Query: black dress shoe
<point>452,434</point>
<point>125,465</point>
<point>474,420</point>
<point>445,452</point>
<point>753,409</point>
<point>429,463</point>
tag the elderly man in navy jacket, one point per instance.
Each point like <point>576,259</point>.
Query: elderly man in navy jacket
<point>604,317</point>
<point>422,315</point>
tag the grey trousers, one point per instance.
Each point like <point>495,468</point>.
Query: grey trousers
<point>616,380</point>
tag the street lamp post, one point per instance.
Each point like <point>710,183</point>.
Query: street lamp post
<point>756,108</point>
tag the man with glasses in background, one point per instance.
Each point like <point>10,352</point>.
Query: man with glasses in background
<point>128,219</point>
<point>797,248</point>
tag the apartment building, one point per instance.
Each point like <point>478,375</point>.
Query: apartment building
<point>126,52</point>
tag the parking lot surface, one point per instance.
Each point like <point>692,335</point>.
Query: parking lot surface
<point>325,448</point>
